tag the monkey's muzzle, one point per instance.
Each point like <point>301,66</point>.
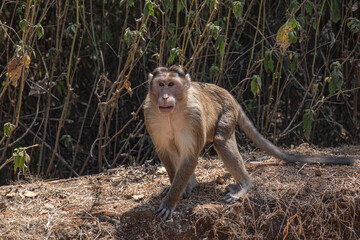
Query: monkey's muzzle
<point>166,108</point>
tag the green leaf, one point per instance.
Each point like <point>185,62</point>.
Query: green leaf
<point>130,35</point>
<point>294,63</point>
<point>214,30</point>
<point>60,87</point>
<point>168,5</point>
<point>67,140</point>
<point>148,9</point>
<point>8,127</point>
<point>332,87</point>
<point>308,119</point>
<point>237,45</point>
<point>171,28</point>
<point>268,62</point>
<point>130,3</point>
<point>211,3</point>
<point>19,10</point>
<point>294,4</point>
<point>293,23</point>
<point>292,37</point>
<point>251,105</point>
<point>180,6</point>
<point>309,7</point>
<point>39,31</point>
<point>174,52</point>
<point>335,10</point>
<point>220,44</point>
<point>23,24</point>
<point>313,22</point>
<point>336,78</point>
<point>171,42</point>
<point>237,8</point>
<point>353,24</point>
<point>19,156</point>
<point>108,34</point>
<point>70,29</point>
<point>214,70</point>
<point>255,85</point>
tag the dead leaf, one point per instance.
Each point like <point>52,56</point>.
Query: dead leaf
<point>160,170</point>
<point>14,67</point>
<point>11,195</point>
<point>355,6</point>
<point>220,180</point>
<point>30,194</point>
<point>2,206</point>
<point>127,85</point>
<point>282,37</point>
<point>48,206</point>
<point>14,70</point>
<point>39,87</point>
<point>138,197</point>
<point>25,60</point>
<point>318,172</point>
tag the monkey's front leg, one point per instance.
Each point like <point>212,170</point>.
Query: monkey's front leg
<point>179,183</point>
<point>171,163</point>
<point>189,187</point>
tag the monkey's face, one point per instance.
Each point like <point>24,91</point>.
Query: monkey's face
<point>167,90</point>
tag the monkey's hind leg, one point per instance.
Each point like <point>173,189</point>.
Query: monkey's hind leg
<point>228,152</point>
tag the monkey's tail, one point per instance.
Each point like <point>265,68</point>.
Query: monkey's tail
<point>247,126</point>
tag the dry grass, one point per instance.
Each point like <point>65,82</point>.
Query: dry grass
<point>288,201</point>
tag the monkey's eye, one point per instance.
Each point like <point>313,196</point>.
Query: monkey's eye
<point>161,84</point>
<point>171,84</point>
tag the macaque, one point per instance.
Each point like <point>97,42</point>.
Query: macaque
<point>182,116</point>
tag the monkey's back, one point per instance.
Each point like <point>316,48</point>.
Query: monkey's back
<point>215,103</point>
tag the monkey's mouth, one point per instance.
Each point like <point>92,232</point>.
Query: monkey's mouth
<point>166,108</point>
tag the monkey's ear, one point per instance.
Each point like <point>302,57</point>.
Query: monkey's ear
<point>188,81</point>
<point>150,77</point>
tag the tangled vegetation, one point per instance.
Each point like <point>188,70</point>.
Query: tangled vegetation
<point>73,73</point>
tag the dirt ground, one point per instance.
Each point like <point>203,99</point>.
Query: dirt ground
<point>287,201</point>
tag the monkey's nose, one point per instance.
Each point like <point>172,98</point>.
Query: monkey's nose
<point>165,96</point>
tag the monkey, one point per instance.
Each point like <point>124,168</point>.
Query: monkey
<point>181,116</point>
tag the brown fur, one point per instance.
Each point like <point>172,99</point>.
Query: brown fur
<point>181,117</point>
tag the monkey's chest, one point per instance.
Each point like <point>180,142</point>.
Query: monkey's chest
<point>173,136</point>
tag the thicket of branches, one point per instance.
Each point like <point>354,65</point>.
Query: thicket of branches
<point>73,73</point>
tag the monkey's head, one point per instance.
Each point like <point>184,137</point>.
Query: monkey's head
<point>168,87</point>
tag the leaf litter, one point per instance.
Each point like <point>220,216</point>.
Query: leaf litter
<point>287,201</point>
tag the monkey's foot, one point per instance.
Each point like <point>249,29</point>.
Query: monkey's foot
<point>235,192</point>
<point>165,211</point>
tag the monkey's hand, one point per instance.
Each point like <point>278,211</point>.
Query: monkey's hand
<point>235,192</point>
<point>165,211</point>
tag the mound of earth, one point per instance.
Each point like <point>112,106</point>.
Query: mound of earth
<point>287,201</point>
